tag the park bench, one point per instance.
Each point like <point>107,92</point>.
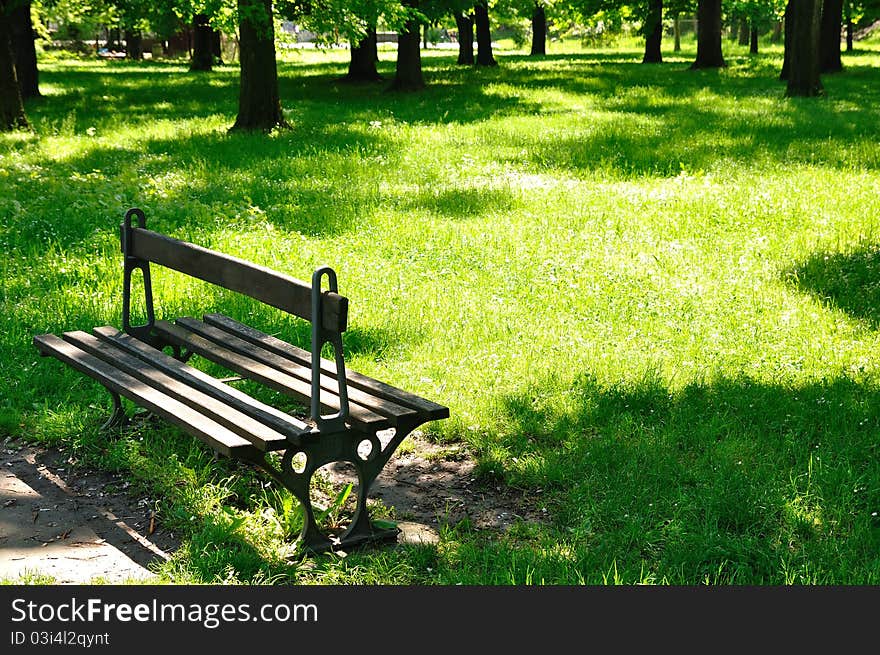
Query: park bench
<point>349,411</point>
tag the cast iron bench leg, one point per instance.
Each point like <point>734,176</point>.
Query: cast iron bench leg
<point>118,417</point>
<point>339,447</point>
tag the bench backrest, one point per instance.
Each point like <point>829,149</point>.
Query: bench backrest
<point>326,310</point>
<point>263,284</point>
<point>258,282</point>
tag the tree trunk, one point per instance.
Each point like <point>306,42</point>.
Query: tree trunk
<point>849,35</point>
<point>676,34</point>
<point>829,39</point>
<point>484,34</point>
<point>12,114</point>
<point>362,66</point>
<point>753,40</point>
<point>465,25</point>
<point>709,35</point>
<point>202,57</point>
<point>776,35</point>
<point>133,49</point>
<point>113,43</point>
<point>653,32</point>
<point>539,30</point>
<point>22,35</point>
<point>259,107</point>
<point>803,74</point>
<point>408,75</point>
<point>217,46</point>
<point>787,30</point>
<point>743,38</point>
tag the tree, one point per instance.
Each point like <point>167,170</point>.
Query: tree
<point>206,19</point>
<point>408,73</point>
<point>465,24</point>
<point>743,37</point>
<point>364,54</point>
<point>649,13</point>
<point>829,36</point>
<point>259,107</point>
<point>788,27</point>
<point>133,43</point>
<point>22,37</point>
<point>12,114</point>
<point>804,17</point>
<point>134,21</point>
<point>753,16</point>
<point>652,27</point>
<point>539,30</point>
<point>709,53</point>
<point>217,45</point>
<point>202,51</point>
<point>354,21</point>
<point>674,9</point>
<point>484,34</point>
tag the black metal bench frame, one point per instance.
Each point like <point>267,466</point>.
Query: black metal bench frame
<point>132,364</point>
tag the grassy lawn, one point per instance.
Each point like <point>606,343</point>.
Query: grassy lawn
<point>648,295</point>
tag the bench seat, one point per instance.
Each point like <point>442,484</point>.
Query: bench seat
<point>288,369</point>
<point>229,420</point>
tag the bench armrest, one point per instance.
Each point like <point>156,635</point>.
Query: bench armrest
<point>320,336</point>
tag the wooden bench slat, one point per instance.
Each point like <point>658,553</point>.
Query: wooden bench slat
<point>262,436</point>
<point>328,383</point>
<point>427,409</point>
<point>262,373</point>
<point>274,418</point>
<point>175,412</point>
<point>264,284</point>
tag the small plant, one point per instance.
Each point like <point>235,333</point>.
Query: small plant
<point>283,511</point>
<point>286,513</point>
<point>332,514</point>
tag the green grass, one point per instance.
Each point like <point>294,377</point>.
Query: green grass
<point>648,295</point>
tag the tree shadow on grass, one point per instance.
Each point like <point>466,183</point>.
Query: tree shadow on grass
<point>652,121</point>
<point>462,203</point>
<point>849,281</point>
<point>90,98</point>
<point>734,481</point>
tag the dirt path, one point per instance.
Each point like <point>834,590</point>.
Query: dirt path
<point>77,525</point>
<point>72,527</point>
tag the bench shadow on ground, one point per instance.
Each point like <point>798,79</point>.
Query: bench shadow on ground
<point>849,281</point>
